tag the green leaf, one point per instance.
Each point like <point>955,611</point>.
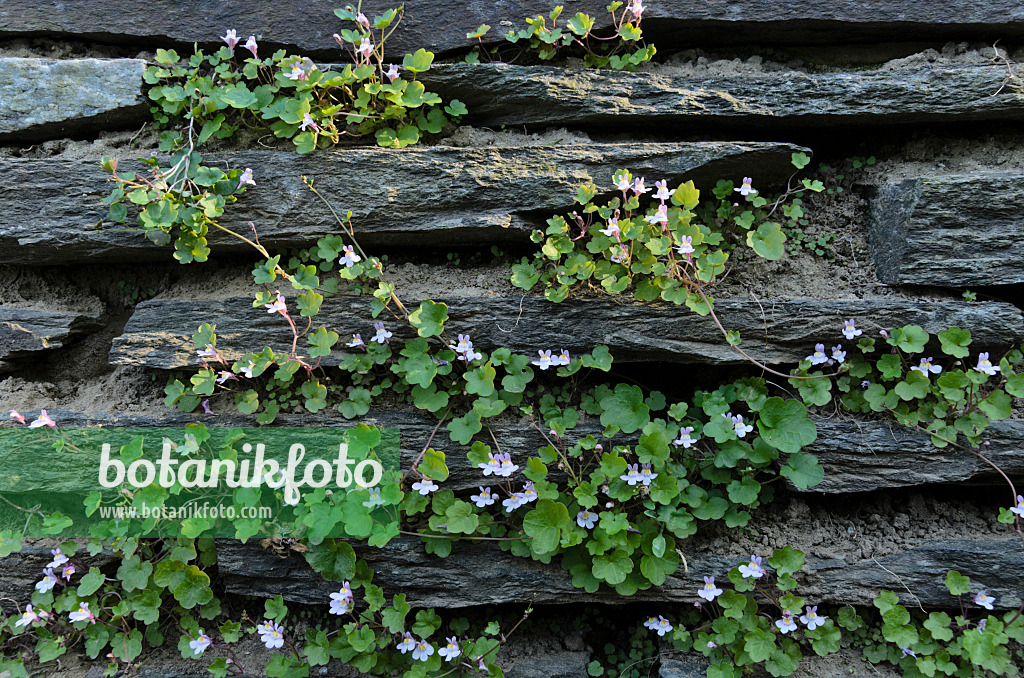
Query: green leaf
<point>275,609</point>
<point>803,470</point>
<point>194,588</point>
<point>625,408</point>
<point>90,583</point>
<point>134,573</point>
<point>800,160</point>
<point>429,318</point>
<point>784,425</point>
<point>433,465</point>
<point>938,624</point>
<point>955,342</point>
<point>768,241</point>
<point>997,405</point>
<point>419,61</point>
<point>912,339</point>
<point>759,644</point>
<point>957,583</point>
<point>544,525</point>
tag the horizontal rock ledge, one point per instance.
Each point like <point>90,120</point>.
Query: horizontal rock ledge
<point>482,574</point>
<point>670,24</point>
<point>26,332</point>
<point>48,98</point>
<point>499,94</point>
<point>856,456</point>
<point>158,334</point>
<point>950,230</point>
<point>435,196</point>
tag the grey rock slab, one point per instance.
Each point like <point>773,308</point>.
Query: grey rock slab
<point>159,332</point>
<point>670,24</point>
<point>533,95</point>
<point>48,98</point>
<point>867,456</point>
<point>482,574</point>
<point>949,231</point>
<point>856,456</point>
<point>25,332</point>
<point>436,196</point>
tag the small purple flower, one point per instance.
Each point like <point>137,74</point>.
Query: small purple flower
<point>308,122</point>
<point>382,334</point>
<point>745,189</point>
<point>638,187</point>
<point>18,416</point>
<point>684,439</point>
<point>485,498</point>
<point>224,375</point>
<point>250,45</point>
<point>982,624</point>
<point>299,73</point>
<point>231,38</point>
<point>623,180</point>
<point>620,254</point>
<point>818,357</point>
<point>663,193</point>
<point>709,591</point>
<point>659,217</point>
<point>613,228</point>
<point>82,614</point>
<point>349,258</point>
<point>562,358</point>
<point>423,651</point>
<point>451,650</point>
<point>907,652</point>
<point>545,361</point>
<point>850,330</point>
<point>752,569</point>
<point>513,502</point>
<point>391,73</point>
<point>342,600</point>
<point>43,420</point>
<point>646,476</point>
<point>206,407</point>
<point>985,365</point>
<point>926,366</point>
<point>741,428</point>
<point>984,600</point>
<point>687,246</point>
<point>271,634</point>
<point>365,49</point>
<point>1019,508</point>
<point>586,519</point>
<point>632,475</point>
<point>407,643</point>
<point>659,624</point>
<point>465,349</point>
<point>27,617</point>
<point>48,581</point>
<point>811,619</point>
<point>58,558</point>
<point>425,486</point>
<point>200,644</point>
<point>68,571</point>
<point>786,624</point>
<point>356,341</point>
<point>838,354</point>
<point>865,383</point>
<point>637,9</point>
<point>246,178</point>
<point>278,305</point>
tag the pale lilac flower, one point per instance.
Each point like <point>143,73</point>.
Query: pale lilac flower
<point>712,644</point>
<point>465,349</point>
<point>981,624</point>
<point>985,365</point>
<point>382,334</point>
<point>687,246</point>
<point>818,357</point>
<point>745,189</point>
<point>528,494</point>
<point>513,502</point>
<point>206,407</point>
<point>425,486</point>
<point>200,644</point>
<point>926,366</point>
<point>48,581</point>
<point>250,45</point>
<point>480,664</point>
<point>356,341</point>
<point>507,467</point>
<point>684,439</point>
<point>786,624</point>
<point>43,420</point>
<point>752,569</point>
<point>247,370</point>
<point>407,643</point>
<point>341,601</point>
<point>709,591</point>
<point>277,306</point>
<point>224,376</point>
<point>663,193</point>
<point>741,428</point>
<point>391,73</point>
<point>246,178</point>
<point>632,475</point>
<point>638,187</point>
<point>423,651</point>
<point>907,652</point>
<point>544,362</point>
<point>659,624</point>
<point>365,48</point>
<point>562,358</point>
<point>68,571</point>
<point>271,634</point>
<point>451,650</point>
<point>865,383</point>
<point>621,254</point>
<point>659,217</point>
<point>27,617</point>
<point>637,9</point>
<point>586,519</point>
<point>209,352</point>
<point>613,228</point>
<point>362,20</point>
<point>850,330</point>
<point>485,498</point>
<point>812,619</point>
<point>838,354</point>
<point>622,180</point>
<point>58,558</point>
<point>297,73</point>
<point>350,257</point>
<point>18,416</point>
<point>308,122</point>
<point>646,476</point>
<point>189,446</point>
<point>1019,508</point>
<point>492,465</point>
<point>82,614</point>
<point>231,39</point>
<point>984,600</point>
<point>375,498</point>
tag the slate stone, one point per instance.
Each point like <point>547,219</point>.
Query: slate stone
<point>856,456</point>
<point>670,24</point>
<point>25,332</point>
<point>499,94</point>
<point>159,332</point>
<point>436,196</point>
<point>482,574</point>
<point>949,231</point>
<point>47,98</point>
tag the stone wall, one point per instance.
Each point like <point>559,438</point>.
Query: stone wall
<point>93,319</point>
